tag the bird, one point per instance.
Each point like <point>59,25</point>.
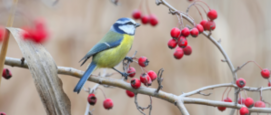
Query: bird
<point>110,50</point>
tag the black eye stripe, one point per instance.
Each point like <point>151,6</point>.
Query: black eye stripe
<point>130,23</point>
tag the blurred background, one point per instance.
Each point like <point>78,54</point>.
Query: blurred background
<point>243,26</point>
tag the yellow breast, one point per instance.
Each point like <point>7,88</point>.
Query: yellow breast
<point>111,57</point>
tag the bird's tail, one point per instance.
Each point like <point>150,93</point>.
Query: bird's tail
<point>85,77</point>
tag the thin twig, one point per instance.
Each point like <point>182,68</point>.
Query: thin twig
<point>240,67</point>
<point>141,109</point>
<point>91,90</point>
<point>159,80</point>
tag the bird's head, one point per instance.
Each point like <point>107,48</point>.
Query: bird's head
<point>125,26</point>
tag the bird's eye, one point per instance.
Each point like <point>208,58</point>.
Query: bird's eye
<point>129,23</point>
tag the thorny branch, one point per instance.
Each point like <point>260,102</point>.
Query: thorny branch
<point>160,79</point>
<point>141,109</point>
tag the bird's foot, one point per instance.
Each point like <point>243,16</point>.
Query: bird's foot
<point>125,75</point>
<point>129,59</point>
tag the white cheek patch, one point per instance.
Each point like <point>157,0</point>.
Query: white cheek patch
<point>129,29</point>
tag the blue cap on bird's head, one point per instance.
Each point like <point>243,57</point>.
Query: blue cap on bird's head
<point>125,26</point>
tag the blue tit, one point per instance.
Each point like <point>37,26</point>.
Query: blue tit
<point>110,50</point>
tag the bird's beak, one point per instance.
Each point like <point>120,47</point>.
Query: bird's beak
<point>137,25</point>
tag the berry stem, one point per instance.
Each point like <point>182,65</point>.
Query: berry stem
<point>229,92</point>
<point>102,92</point>
<point>204,3</point>
<point>140,5</point>
<point>224,93</point>
<point>238,68</point>
<point>199,12</point>
<point>194,4</point>
<point>148,9</point>
<point>142,70</point>
<point>201,7</point>
<point>246,94</point>
<point>180,20</point>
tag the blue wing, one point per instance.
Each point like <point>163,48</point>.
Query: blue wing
<point>100,47</point>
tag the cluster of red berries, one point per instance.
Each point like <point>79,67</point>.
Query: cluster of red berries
<point>179,38</point>
<point>179,35</point>
<point>107,103</point>
<point>6,73</point>
<point>145,19</point>
<point>146,78</point>
<point>249,102</point>
<point>38,33</point>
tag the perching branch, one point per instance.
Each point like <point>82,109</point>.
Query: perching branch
<point>14,62</point>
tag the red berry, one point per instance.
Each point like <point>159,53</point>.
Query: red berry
<point>2,33</point>
<point>92,99</point>
<point>152,75</point>
<point>265,73</point>
<point>136,14</point>
<point>143,61</point>
<point>2,113</point>
<point>200,28</point>
<point>269,85</point>
<point>6,73</point>
<point>172,43</point>
<point>39,36</point>
<point>225,100</point>
<point>145,19</point>
<point>202,23</point>
<point>228,99</point>
<point>175,32</point>
<point>130,93</point>
<point>194,32</point>
<point>185,32</point>
<point>259,104</point>
<point>145,79</point>
<point>135,83</point>
<point>241,82</point>
<point>241,101</point>
<point>249,102</point>
<point>40,33</point>
<point>108,103</point>
<point>39,24</point>
<point>209,25</point>
<point>212,14</point>
<point>178,54</point>
<point>153,20</point>
<point>182,42</point>
<point>131,71</point>
<point>244,111</point>
<point>27,33</point>
<point>187,50</point>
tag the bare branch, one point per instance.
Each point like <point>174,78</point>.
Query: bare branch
<point>151,91</point>
<point>181,107</point>
<point>188,100</point>
<point>141,109</point>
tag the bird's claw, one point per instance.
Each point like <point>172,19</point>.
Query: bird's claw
<point>125,75</point>
<point>130,59</point>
